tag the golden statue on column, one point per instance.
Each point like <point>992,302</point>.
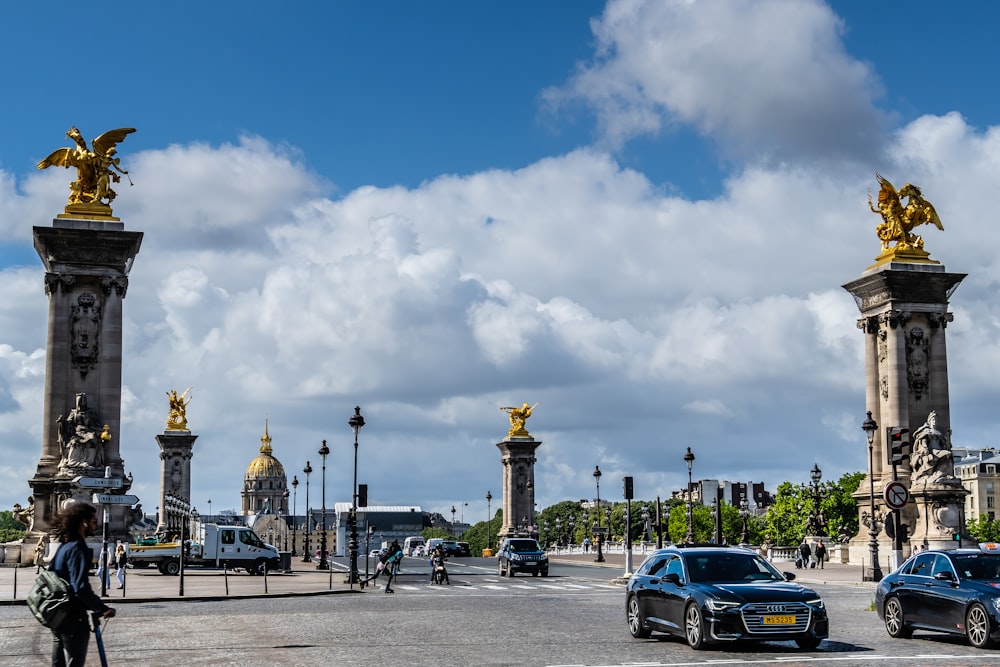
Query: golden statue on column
<point>518,416</point>
<point>898,222</point>
<point>90,195</point>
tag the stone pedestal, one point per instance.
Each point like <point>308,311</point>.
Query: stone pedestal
<point>940,508</point>
<point>518,458</point>
<point>175,475</point>
<point>904,315</point>
<point>86,276</point>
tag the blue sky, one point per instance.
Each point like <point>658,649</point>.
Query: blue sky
<point>638,213</point>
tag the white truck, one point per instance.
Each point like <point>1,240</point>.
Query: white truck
<point>218,546</point>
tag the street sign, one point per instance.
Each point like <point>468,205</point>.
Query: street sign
<point>113,499</point>
<point>896,495</point>
<point>99,482</point>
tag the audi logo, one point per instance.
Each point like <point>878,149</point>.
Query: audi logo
<point>776,608</point>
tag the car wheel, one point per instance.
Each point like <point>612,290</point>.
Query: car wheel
<point>694,629</point>
<point>977,626</point>
<point>636,623</point>
<point>808,643</point>
<point>171,567</point>
<point>499,569</point>
<point>895,625</point>
<point>259,566</point>
<point>535,573</point>
<point>545,573</point>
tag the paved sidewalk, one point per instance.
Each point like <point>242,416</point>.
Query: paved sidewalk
<point>148,585</point>
<point>832,573</point>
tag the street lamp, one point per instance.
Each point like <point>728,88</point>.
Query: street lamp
<point>209,520</point>
<point>295,507</point>
<point>689,459</point>
<point>559,538</point>
<point>489,521</point>
<point>453,510</point>
<point>307,547</point>
<point>816,525</point>
<point>597,479</point>
<point>572,528</point>
<point>644,515</point>
<point>355,422</point>
<point>323,563</point>
<point>284,510</point>
<point>869,426</point>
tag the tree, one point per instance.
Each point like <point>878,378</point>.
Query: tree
<point>787,517</point>
<point>10,530</point>
<point>983,529</point>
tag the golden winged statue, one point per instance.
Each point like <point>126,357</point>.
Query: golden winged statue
<point>91,194</point>
<point>898,221</point>
<point>177,418</point>
<point>518,416</point>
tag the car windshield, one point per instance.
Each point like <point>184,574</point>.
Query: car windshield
<point>524,545</point>
<point>728,567</point>
<point>978,566</point>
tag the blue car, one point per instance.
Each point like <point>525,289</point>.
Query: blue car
<point>715,594</point>
<point>955,591</point>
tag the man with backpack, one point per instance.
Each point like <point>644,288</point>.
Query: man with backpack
<point>73,525</point>
<point>392,565</point>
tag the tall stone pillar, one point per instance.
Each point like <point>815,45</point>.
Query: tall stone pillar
<point>175,475</point>
<point>87,262</point>
<point>518,459</point>
<point>904,314</point>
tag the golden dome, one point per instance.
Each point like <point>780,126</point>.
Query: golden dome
<point>265,465</point>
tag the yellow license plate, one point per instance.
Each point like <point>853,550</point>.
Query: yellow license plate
<point>779,620</point>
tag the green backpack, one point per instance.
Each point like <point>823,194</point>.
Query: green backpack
<point>51,600</point>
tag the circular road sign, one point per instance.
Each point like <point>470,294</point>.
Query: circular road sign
<point>896,495</point>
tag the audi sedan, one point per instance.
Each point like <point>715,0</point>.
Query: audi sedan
<point>716,594</point>
<point>952,591</point>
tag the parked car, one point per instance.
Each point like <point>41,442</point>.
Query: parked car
<point>451,548</point>
<point>464,549</point>
<point>954,591</point>
<point>521,554</point>
<point>716,594</point>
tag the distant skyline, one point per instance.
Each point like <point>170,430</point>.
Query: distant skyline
<point>637,213</point>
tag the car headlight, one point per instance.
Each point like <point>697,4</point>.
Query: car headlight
<point>816,602</point>
<point>721,605</point>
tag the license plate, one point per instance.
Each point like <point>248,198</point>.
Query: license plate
<point>778,620</point>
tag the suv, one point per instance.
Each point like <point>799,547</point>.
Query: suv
<point>451,548</point>
<point>521,554</point>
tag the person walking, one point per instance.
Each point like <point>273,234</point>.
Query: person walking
<point>392,567</point>
<point>103,575</point>
<point>804,553</point>
<point>73,525</point>
<point>121,560</point>
<point>820,553</point>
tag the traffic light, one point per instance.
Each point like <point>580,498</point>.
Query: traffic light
<point>957,537</point>
<point>362,495</point>
<point>899,444</point>
<point>628,488</point>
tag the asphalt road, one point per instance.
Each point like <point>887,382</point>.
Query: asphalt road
<point>574,617</point>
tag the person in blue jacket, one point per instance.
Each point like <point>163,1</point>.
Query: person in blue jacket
<point>73,525</point>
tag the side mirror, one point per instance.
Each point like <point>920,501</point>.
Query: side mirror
<point>944,575</point>
<point>673,578</point>
<point>789,576</point>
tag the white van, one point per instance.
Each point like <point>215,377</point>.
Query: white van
<point>413,545</point>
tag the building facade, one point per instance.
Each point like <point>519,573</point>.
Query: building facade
<point>265,487</point>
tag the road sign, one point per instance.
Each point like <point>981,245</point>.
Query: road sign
<point>896,495</point>
<point>99,482</point>
<point>113,499</point>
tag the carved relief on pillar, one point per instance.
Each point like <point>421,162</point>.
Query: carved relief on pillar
<point>894,318</point>
<point>117,283</point>
<point>917,354</point>
<point>55,282</point>
<point>85,329</point>
<point>81,438</point>
<point>940,320</point>
<point>882,355</point>
<point>868,325</point>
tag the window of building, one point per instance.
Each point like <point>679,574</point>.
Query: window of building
<point>989,487</point>
<point>990,501</point>
<point>991,469</point>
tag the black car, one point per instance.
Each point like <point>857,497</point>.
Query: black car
<point>464,549</point>
<point>522,554</point>
<point>954,591</point>
<point>713,594</point>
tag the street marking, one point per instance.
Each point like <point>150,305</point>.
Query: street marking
<point>494,588</point>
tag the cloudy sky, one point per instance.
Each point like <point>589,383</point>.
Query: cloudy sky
<point>638,214</point>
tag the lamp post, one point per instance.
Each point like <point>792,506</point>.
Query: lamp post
<point>872,518</point>
<point>816,525</point>
<point>689,460</point>
<point>745,516</point>
<point>559,538</point>
<point>284,511</point>
<point>209,520</point>
<point>597,531</point>
<point>572,528</point>
<point>323,563</point>
<point>356,422</point>
<point>295,507</point>
<point>453,510</point>
<point>489,521</point>
<point>306,548</point>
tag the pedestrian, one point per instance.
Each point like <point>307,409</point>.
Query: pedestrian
<point>586,545</point>
<point>821,553</point>
<point>383,557</point>
<point>392,566</point>
<point>103,575</point>
<point>73,525</point>
<point>393,548</point>
<point>805,553</point>
<point>121,560</point>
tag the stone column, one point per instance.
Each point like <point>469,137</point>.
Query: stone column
<point>518,459</point>
<point>904,308</point>
<point>175,472</point>
<point>86,277</point>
